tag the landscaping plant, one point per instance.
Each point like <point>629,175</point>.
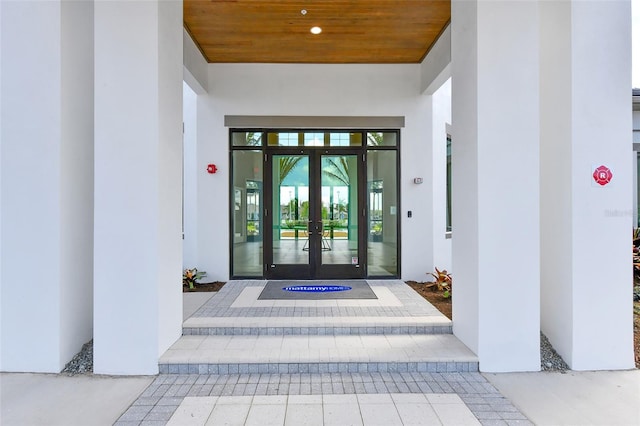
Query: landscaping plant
<point>443,282</point>
<point>190,277</point>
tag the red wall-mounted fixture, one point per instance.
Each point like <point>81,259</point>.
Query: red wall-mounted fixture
<point>211,168</point>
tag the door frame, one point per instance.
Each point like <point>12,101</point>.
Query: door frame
<point>314,269</point>
<point>260,144</point>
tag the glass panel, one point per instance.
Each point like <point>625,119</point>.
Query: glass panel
<point>345,139</point>
<point>382,139</point>
<point>290,209</point>
<point>246,138</point>
<point>317,139</point>
<point>246,216</point>
<point>383,219</point>
<point>284,139</point>
<point>339,209</point>
<point>314,139</point>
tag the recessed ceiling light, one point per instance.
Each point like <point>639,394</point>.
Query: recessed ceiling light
<point>303,11</point>
<point>316,30</point>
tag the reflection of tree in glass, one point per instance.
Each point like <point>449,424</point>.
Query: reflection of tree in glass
<point>254,139</point>
<point>304,209</point>
<point>338,168</point>
<point>375,139</point>
<point>287,164</point>
<point>376,184</point>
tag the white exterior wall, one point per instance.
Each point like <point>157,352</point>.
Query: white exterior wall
<point>441,117</point>
<point>495,212</point>
<point>138,151</point>
<point>76,178</point>
<point>47,181</point>
<point>190,180</point>
<point>196,76</point>
<point>585,121</point>
<point>435,69</point>
<point>1,194</point>
<point>195,66</point>
<point>313,90</point>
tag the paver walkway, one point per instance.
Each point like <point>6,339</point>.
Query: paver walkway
<point>441,398</point>
<point>388,361</point>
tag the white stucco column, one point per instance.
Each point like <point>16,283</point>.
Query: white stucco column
<point>586,228</point>
<point>495,149</point>
<point>138,156</point>
<point>47,182</point>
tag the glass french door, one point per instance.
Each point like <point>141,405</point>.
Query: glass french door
<point>315,214</point>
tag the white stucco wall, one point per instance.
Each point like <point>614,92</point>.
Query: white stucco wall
<point>190,179</point>
<point>195,66</point>
<point>1,190</point>
<point>76,178</point>
<point>495,119</point>
<point>585,228</point>
<point>47,181</point>
<point>138,143</point>
<point>441,101</point>
<point>435,69</point>
<point>314,90</point>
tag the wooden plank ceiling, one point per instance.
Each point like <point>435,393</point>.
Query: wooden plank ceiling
<point>355,31</point>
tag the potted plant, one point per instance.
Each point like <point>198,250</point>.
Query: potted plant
<point>376,232</point>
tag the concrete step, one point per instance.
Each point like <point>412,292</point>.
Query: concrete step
<point>296,326</point>
<point>293,354</point>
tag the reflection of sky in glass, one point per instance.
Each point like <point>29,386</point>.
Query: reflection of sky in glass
<point>299,175</point>
<point>314,139</point>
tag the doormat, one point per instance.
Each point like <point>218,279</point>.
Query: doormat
<point>317,290</point>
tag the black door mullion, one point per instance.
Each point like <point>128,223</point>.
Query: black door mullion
<point>363,211</point>
<point>315,211</point>
<point>267,240</point>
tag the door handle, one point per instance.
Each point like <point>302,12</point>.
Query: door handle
<point>309,225</point>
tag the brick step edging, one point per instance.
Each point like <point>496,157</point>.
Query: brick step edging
<point>315,331</point>
<point>321,367</point>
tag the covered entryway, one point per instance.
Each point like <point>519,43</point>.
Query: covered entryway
<point>97,211</point>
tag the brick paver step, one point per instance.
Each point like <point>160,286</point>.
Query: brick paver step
<point>317,354</point>
<point>434,324</point>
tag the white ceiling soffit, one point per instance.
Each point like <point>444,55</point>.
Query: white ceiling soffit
<point>312,122</point>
